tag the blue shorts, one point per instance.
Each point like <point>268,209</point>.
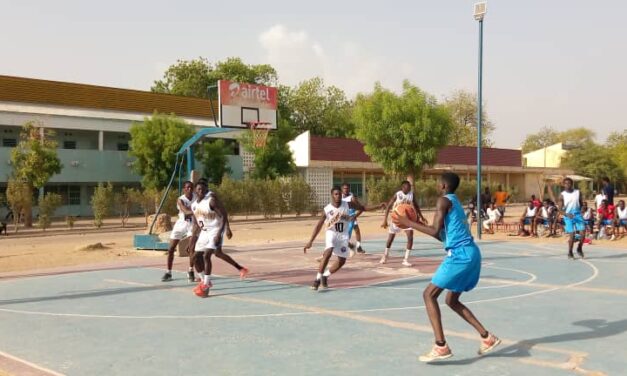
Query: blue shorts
<point>528,220</point>
<point>351,224</point>
<point>574,224</point>
<point>622,222</point>
<point>607,222</point>
<point>460,270</point>
<point>589,222</point>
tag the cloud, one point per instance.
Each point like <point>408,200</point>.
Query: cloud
<point>345,64</point>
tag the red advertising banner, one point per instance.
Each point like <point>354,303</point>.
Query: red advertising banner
<point>247,95</point>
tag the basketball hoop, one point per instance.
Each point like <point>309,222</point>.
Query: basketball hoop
<point>260,130</point>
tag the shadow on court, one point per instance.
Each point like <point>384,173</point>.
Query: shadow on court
<point>595,328</point>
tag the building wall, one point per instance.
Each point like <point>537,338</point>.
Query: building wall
<point>321,182</point>
<point>550,156</point>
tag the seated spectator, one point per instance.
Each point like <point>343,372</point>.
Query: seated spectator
<point>606,219</point>
<point>494,215</point>
<point>547,216</point>
<point>598,198</point>
<point>536,202</point>
<point>529,218</point>
<point>588,217</point>
<point>621,219</point>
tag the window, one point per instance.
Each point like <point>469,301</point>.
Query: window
<point>123,146</point>
<point>74,195</point>
<point>9,142</point>
<point>69,144</point>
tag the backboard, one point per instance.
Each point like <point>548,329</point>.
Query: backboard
<point>243,103</point>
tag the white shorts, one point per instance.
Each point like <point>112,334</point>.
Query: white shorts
<point>338,242</point>
<point>181,230</point>
<point>394,229</point>
<point>206,240</point>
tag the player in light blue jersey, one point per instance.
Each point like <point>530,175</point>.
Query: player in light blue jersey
<point>459,272</point>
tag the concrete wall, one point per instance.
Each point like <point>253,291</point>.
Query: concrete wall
<point>550,156</point>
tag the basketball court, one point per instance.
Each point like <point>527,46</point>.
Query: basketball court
<point>555,316</point>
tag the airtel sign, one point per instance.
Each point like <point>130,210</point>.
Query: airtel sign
<point>243,94</point>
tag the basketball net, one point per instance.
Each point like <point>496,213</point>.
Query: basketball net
<point>260,130</point>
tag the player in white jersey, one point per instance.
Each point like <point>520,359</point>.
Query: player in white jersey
<point>183,226</point>
<point>621,219</point>
<point>336,219</point>
<point>212,221</point>
<point>404,196</point>
<point>348,196</point>
<point>570,203</point>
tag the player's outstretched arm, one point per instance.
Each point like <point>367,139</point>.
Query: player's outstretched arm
<point>387,211</point>
<point>442,207</point>
<point>315,232</point>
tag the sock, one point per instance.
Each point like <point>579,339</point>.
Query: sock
<point>327,273</point>
<point>206,279</point>
<point>386,252</point>
<point>318,276</point>
<point>485,335</point>
<point>358,243</point>
<point>169,271</point>
<point>190,269</point>
<point>440,343</point>
<point>407,252</point>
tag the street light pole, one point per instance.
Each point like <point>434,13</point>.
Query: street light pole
<point>479,12</point>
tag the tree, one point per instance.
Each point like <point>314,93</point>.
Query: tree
<point>547,136</point>
<point>124,203</point>
<point>47,206</point>
<point>314,107</point>
<point>213,154</point>
<point>617,145</point>
<point>275,158</point>
<point>401,132</point>
<point>463,108</point>
<point>191,78</point>
<point>594,161</point>
<point>19,198</point>
<point>154,143</point>
<point>101,203</point>
<point>34,160</point>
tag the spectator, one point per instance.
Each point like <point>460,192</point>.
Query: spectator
<point>529,218</point>
<point>606,219</point>
<point>536,202</point>
<point>493,216</point>
<point>621,219</point>
<point>588,217</point>
<point>547,216</point>
<point>598,197</point>
<point>500,199</point>
<point>608,190</point>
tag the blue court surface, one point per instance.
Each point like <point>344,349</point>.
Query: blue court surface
<point>555,317</point>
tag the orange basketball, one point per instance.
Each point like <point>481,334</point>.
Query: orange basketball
<point>405,210</point>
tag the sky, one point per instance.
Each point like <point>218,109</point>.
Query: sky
<point>553,63</point>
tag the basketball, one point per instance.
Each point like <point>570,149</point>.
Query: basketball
<point>404,210</point>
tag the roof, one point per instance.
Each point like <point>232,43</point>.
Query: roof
<point>350,150</point>
<point>30,90</point>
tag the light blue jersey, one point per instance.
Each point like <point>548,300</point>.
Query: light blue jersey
<point>456,231</point>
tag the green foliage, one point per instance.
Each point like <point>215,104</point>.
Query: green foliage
<point>594,161</point>
<point>69,220</point>
<point>381,190</point>
<point>154,143</point>
<point>169,205</point>
<point>213,154</point>
<point>145,199</point>
<point>462,106</point>
<point>47,206</point>
<point>191,78</point>
<point>265,196</point>
<point>123,201</point>
<point>548,136</point>
<point>617,145</point>
<point>323,110</point>
<point>401,132</point>
<point>101,203</point>
<point>19,198</point>
<point>34,159</point>
<point>275,159</point>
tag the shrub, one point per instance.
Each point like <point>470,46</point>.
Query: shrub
<point>101,203</point>
<point>123,204</point>
<point>47,206</point>
<point>20,199</point>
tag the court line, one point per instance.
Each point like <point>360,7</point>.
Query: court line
<point>29,364</point>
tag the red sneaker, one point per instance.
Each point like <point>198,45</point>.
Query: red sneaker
<point>243,273</point>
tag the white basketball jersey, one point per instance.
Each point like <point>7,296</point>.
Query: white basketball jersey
<point>348,198</point>
<point>206,217</point>
<point>404,198</point>
<point>531,212</point>
<point>187,203</point>
<point>622,214</point>
<point>587,214</point>
<point>571,201</point>
<point>337,218</point>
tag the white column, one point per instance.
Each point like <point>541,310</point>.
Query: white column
<point>101,140</point>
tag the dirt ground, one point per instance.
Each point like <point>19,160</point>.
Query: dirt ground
<point>60,246</point>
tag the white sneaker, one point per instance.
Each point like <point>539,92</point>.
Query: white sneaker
<point>383,260</point>
<point>406,263</point>
<point>436,353</point>
<point>351,253</point>
<point>613,237</point>
<point>488,344</point>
